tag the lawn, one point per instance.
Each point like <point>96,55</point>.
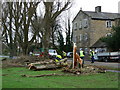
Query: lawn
<point>0,77</point>
<point>12,79</point>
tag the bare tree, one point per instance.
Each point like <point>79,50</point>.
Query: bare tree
<point>17,20</point>
<point>27,14</point>
<point>7,25</point>
<point>52,11</point>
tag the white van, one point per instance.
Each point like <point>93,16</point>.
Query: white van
<point>52,52</point>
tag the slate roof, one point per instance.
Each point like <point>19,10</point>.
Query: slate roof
<point>100,15</point>
<point>99,44</point>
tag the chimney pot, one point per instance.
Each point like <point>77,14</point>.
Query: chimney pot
<point>98,9</point>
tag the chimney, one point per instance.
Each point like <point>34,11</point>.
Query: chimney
<point>98,9</point>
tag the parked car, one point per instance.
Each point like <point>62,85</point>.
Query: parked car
<point>95,57</point>
<point>52,53</point>
<point>36,54</point>
<point>70,54</point>
<point>108,56</point>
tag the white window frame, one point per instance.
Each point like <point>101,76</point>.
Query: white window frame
<point>108,24</point>
<point>108,34</point>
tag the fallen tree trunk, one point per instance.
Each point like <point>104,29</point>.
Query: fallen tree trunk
<point>43,75</point>
<point>48,65</point>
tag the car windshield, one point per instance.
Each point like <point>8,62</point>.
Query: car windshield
<point>69,53</point>
<point>51,51</point>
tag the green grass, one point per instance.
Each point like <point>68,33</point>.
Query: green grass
<point>109,68</point>
<point>0,77</point>
<point>1,58</point>
<point>13,79</point>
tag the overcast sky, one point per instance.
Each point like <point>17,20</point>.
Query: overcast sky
<point>89,5</point>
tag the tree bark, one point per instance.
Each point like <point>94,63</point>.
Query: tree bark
<point>10,30</point>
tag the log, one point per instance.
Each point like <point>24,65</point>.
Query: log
<point>47,65</point>
<point>43,75</point>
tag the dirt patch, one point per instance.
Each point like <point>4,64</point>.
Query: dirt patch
<point>4,74</point>
<point>87,69</point>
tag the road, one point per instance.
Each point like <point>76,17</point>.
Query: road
<point>2,57</point>
<point>107,64</point>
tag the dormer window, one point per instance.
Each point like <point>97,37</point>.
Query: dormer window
<point>109,24</point>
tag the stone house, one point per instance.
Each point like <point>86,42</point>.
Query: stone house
<point>90,26</point>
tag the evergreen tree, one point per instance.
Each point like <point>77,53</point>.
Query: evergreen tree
<point>61,42</point>
<point>68,38</point>
<point>113,41</point>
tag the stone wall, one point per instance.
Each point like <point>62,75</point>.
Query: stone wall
<point>98,30</point>
<point>81,30</point>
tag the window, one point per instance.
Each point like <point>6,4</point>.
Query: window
<point>74,38</point>
<point>80,25</point>
<point>108,24</point>
<point>85,37</point>
<point>77,39</point>
<point>80,37</point>
<point>108,34</point>
<point>85,23</point>
<point>75,26</point>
